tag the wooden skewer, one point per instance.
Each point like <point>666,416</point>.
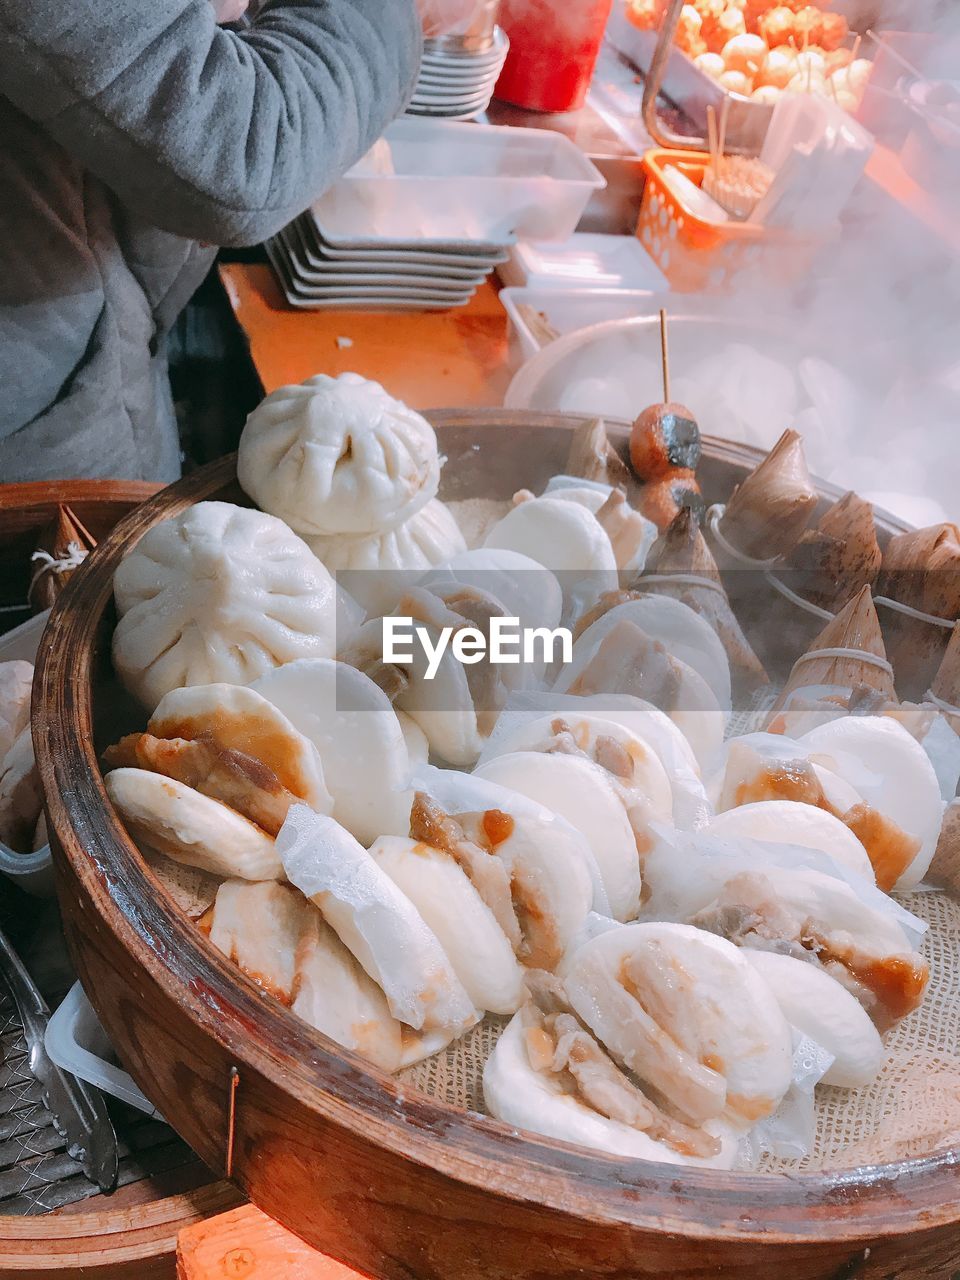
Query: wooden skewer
<point>664,356</point>
<point>80,527</point>
<point>897,57</point>
<point>712,138</point>
<point>722,140</point>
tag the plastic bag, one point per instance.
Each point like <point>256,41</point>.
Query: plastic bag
<point>468,18</point>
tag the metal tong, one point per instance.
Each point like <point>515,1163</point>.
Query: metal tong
<point>78,1110</point>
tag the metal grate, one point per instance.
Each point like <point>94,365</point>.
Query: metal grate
<point>36,1173</point>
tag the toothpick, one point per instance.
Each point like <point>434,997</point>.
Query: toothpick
<point>856,47</point>
<point>664,356</point>
<point>897,57</point>
<point>233,1086</point>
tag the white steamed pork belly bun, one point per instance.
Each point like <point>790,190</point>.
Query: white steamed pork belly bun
<point>534,872</point>
<point>210,782</point>
<point>657,1041</point>
<point>628,766</point>
<point>526,589</point>
<point>377,922</point>
<point>282,943</point>
<point>628,660</point>
<point>454,703</point>
<point>585,795</point>
<point>683,633</point>
<point>566,538</point>
<point>358,736</point>
<point>866,770</point>
<point>900,813</point>
<point>794,900</point>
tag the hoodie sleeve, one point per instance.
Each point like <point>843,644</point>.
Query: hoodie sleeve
<point>208,133</point>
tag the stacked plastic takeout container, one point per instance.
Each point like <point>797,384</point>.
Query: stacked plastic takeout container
<point>425,217</point>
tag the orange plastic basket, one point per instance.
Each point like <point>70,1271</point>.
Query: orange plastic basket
<point>698,256</point>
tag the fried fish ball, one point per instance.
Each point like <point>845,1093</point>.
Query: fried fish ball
<point>645,14</point>
<point>778,26</point>
<point>808,27</point>
<point>712,64</point>
<point>717,33</point>
<point>736,82</point>
<point>833,31</point>
<point>745,53</point>
<point>779,68</point>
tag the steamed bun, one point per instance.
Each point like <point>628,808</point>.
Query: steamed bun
<point>429,538</point>
<point>338,456</point>
<point>218,594</point>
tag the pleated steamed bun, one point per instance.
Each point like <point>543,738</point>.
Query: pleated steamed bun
<point>379,566</point>
<point>218,594</point>
<point>338,456</point>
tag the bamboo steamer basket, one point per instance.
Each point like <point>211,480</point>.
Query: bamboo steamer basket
<point>131,1235</point>
<point>379,1176</point>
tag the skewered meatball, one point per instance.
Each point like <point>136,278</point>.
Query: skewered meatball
<point>687,35</point>
<point>718,32</point>
<point>664,437</point>
<point>712,64</point>
<point>833,31</point>
<point>779,68</point>
<point>746,54</point>
<point>808,27</point>
<point>778,27</point>
<point>645,14</point>
<point>736,82</point>
<point>663,500</point>
<point>709,10</point>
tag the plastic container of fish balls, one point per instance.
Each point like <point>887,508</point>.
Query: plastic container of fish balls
<point>696,255</point>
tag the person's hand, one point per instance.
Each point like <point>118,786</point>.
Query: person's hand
<point>229,10</point>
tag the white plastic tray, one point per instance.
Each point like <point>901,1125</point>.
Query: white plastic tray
<point>567,310</point>
<point>456,183</point>
<point>31,871</point>
<point>585,261</point>
<point>77,1043</point>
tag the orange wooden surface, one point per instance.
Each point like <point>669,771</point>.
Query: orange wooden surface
<point>247,1245</point>
<point>432,360</point>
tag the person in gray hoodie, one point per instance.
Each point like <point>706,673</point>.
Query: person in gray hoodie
<point>134,137</point>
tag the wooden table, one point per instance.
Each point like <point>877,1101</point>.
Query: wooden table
<point>431,360</point>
